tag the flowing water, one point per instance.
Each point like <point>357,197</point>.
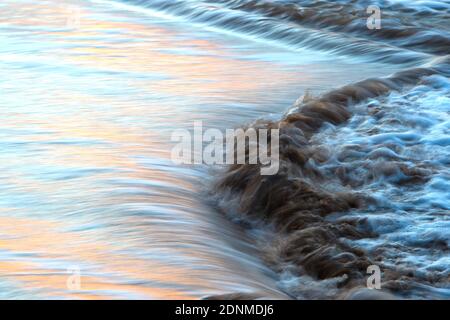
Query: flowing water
<point>91,91</point>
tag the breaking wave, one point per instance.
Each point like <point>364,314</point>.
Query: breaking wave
<point>364,170</point>
<point>361,177</point>
<point>300,24</point>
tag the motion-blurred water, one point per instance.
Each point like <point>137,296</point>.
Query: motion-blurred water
<point>86,179</point>
<point>90,92</point>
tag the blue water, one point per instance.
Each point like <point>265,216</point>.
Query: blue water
<point>90,92</point>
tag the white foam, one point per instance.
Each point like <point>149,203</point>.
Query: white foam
<point>412,219</point>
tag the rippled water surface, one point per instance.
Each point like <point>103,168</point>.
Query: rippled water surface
<point>90,92</point>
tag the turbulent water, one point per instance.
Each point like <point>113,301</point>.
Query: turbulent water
<point>92,90</point>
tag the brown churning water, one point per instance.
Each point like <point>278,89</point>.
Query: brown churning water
<point>86,180</point>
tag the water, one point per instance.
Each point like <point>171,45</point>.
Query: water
<point>396,149</point>
<point>90,94</point>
